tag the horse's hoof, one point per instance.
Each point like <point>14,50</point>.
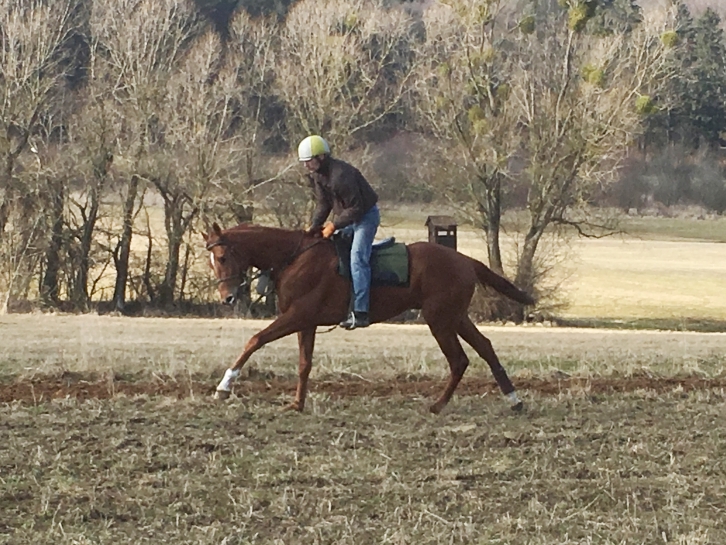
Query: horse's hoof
<point>221,395</point>
<point>518,407</point>
<point>436,408</point>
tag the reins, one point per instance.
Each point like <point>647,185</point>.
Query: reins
<point>290,261</point>
<point>299,252</point>
<point>270,288</point>
<point>226,278</point>
<point>245,280</point>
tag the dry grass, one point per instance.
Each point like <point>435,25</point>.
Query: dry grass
<point>576,467</point>
<point>46,344</point>
<point>630,278</point>
<point>633,468</point>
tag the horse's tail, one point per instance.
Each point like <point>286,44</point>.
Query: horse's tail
<point>489,278</point>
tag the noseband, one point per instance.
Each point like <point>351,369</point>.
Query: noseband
<point>243,280</point>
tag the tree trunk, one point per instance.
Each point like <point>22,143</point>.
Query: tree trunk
<point>49,292</point>
<point>80,296</point>
<point>176,223</point>
<point>493,225</point>
<point>185,271</point>
<point>525,278</point>
<point>6,180</point>
<point>150,290</point>
<point>501,307</point>
<point>4,214</point>
<point>496,306</point>
<point>123,248</point>
<point>166,290</point>
<point>174,209</point>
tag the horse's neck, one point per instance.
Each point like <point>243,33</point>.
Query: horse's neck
<point>269,248</point>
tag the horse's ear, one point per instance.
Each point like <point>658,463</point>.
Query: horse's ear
<point>216,229</point>
<point>205,236</point>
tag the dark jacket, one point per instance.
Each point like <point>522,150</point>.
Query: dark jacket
<point>342,189</point>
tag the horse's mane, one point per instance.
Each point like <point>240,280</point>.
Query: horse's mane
<point>247,227</point>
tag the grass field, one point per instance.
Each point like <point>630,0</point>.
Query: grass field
<point>635,468</point>
<point>110,436</point>
<point>38,344</point>
<point>630,278</point>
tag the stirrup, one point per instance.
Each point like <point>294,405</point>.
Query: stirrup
<point>356,320</point>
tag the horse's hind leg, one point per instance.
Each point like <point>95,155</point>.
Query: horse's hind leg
<point>471,335</point>
<point>458,362</point>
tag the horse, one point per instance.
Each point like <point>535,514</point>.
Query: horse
<point>312,293</point>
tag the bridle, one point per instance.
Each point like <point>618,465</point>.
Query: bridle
<point>232,251</point>
<point>244,280</point>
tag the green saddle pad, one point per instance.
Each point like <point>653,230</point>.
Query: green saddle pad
<point>389,261</point>
<point>389,265</point>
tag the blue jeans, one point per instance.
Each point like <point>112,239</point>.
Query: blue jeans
<point>363,232</point>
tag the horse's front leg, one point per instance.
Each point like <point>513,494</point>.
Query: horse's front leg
<point>306,341</point>
<point>288,323</point>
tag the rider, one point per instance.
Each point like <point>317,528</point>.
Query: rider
<point>342,189</point>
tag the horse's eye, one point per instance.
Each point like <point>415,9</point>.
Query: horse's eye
<point>222,259</point>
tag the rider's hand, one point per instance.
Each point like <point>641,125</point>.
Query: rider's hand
<point>328,229</point>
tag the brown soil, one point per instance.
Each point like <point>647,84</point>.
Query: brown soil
<point>77,386</point>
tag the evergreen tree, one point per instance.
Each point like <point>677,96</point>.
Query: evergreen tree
<point>706,98</point>
<point>615,17</point>
<point>663,126</point>
<point>692,109</point>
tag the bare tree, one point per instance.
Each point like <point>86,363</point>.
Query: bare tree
<point>580,100</point>
<point>250,52</point>
<point>91,129</point>
<point>342,67</point>
<point>35,58</point>
<point>536,105</point>
<point>196,146</point>
<point>135,46</point>
<point>463,99</point>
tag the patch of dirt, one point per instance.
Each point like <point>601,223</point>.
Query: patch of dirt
<point>74,385</point>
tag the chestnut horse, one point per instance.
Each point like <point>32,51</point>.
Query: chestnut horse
<point>311,293</point>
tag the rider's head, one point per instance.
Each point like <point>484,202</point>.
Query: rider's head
<point>312,151</point>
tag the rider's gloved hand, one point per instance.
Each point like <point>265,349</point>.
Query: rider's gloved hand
<point>328,229</point>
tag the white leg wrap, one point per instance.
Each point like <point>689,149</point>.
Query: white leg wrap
<point>229,376</point>
<point>513,398</point>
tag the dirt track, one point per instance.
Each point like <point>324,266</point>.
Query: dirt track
<point>73,385</point>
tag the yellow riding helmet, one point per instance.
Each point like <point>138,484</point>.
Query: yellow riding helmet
<point>312,146</point>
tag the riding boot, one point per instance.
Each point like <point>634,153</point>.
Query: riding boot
<point>356,319</point>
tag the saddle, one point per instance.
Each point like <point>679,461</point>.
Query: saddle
<point>389,260</point>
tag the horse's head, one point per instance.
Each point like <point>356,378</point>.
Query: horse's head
<point>229,265</point>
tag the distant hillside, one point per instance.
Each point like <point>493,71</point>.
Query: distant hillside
<point>697,6</point>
